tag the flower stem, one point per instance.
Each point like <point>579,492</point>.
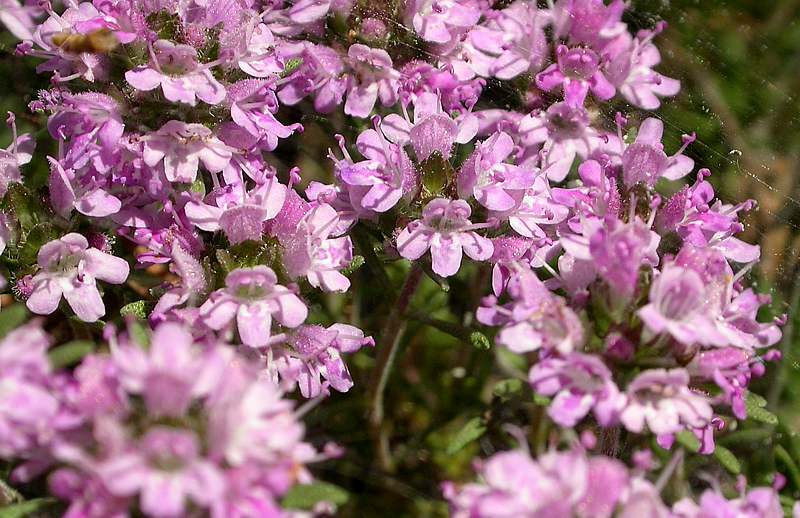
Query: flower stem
<point>390,338</point>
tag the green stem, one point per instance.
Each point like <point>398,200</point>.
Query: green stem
<point>389,342</point>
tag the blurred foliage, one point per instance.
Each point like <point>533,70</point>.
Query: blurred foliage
<point>448,397</point>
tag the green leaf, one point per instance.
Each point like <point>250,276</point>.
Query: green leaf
<point>26,509</point>
<point>38,236</point>
<point>70,353</point>
<point>199,187</point>
<point>541,400</point>
<point>136,309</point>
<point>479,341</point>
<point>244,255</point>
<point>306,496</point>
<point>473,430</point>
<point>507,387</point>
<point>12,317</point>
<point>791,466</point>
<point>20,202</point>
<point>355,264</point>
<point>751,398</point>
<point>291,65</point>
<point>436,173</point>
<point>687,439</point>
<point>727,459</point>
<point>139,333</point>
<point>755,409</point>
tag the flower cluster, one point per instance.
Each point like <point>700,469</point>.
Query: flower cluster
<point>172,121</point>
<point>574,483</point>
<point>181,424</point>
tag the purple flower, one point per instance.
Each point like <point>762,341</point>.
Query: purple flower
<point>88,113</point>
<point>172,373</point>
<point>253,105</point>
<point>312,250</point>
<point>166,468</point>
<point>446,230</point>
<point>630,70</point>
<point>28,404</point>
<point>618,251</point>
<point>377,183</point>
<point>511,43</point>
<point>440,21</point>
<point>645,161</point>
<point>432,130</point>
<point>257,56</point>
<point>239,213</point>
<point>372,77</point>
<point>321,73</point>
<point>496,185</point>
<point>181,147</point>
<point>253,296</point>
<point>17,154</point>
<point>314,352</point>
<point>580,383</point>
<point>537,208</point>
<point>760,502</point>
<point>535,319</point>
<point>175,69</point>
<point>662,400</point>
<point>676,307</point>
<point>252,422</point>
<point>17,18</point>
<point>589,21</point>
<point>192,276</point>
<point>82,189</point>
<point>565,133</point>
<point>70,268</point>
<point>577,70</point>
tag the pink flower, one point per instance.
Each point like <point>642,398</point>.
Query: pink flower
<point>181,147</point>
<point>676,307</point>
<point>166,468</point>
<point>313,352</point>
<point>253,104</point>
<point>82,189</point>
<point>377,183</point>
<point>172,373</point>
<point>446,230</point>
<point>631,70</point>
<point>70,268</point>
<point>495,184</point>
<point>313,251</point>
<point>254,423</point>
<point>17,154</point>
<point>258,57</point>
<point>372,77</point>
<point>535,319</point>
<point>253,296</point>
<point>440,21</point>
<point>28,404</point>
<point>88,113</point>
<point>17,18</point>
<point>432,129</point>
<point>645,161</point>
<point>511,43</point>
<point>175,69</point>
<point>580,383</point>
<point>577,70</point>
<point>321,73</point>
<point>239,213</point>
<point>662,400</point>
